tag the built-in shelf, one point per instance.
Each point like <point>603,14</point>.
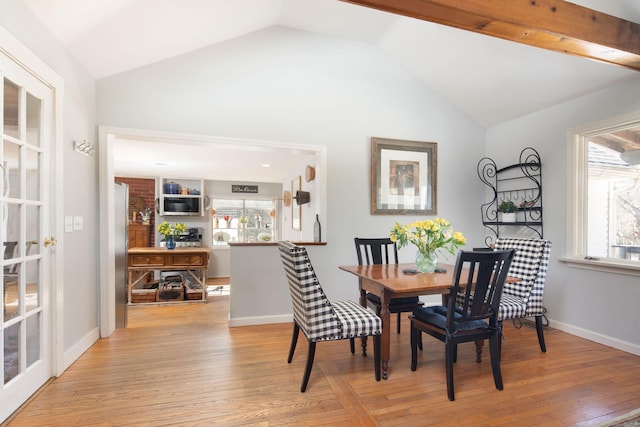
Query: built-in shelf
<point>180,197</point>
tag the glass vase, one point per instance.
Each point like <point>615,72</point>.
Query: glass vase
<point>426,262</point>
<point>170,242</point>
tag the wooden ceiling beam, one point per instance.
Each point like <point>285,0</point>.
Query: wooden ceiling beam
<point>548,24</point>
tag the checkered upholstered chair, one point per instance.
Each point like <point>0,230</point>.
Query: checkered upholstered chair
<point>524,298</point>
<point>383,251</point>
<point>472,316</point>
<point>317,317</point>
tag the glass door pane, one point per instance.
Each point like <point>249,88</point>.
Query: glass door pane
<point>21,201</point>
<point>34,131</point>
<point>11,109</point>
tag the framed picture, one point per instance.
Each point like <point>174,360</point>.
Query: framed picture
<point>403,177</point>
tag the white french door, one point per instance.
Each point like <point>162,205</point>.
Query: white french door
<point>25,311</point>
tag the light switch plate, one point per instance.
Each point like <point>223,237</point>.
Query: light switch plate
<point>77,223</point>
<point>68,224</point>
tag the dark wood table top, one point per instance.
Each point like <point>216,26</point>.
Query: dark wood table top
<point>391,277</point>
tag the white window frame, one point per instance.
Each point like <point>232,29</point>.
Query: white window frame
<point>577,179</point>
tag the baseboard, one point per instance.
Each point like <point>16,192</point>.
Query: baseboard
<point>81,346</point>
<point>596,337</point>
<point>263,320</point>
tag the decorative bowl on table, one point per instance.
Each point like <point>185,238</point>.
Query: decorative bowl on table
<point>264,237</point>
<point>221,237</point>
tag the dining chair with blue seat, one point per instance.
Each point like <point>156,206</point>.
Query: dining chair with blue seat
<point>320,319</point>
<point>470,316</point>
<point>383,251</point>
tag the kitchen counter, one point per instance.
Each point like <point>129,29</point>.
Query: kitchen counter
<point>274,243</point>
<point>257,275</point>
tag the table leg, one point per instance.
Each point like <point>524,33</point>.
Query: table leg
<point>385,315</point>
<point>479,345</point>
<point>202,281</point>
<point>133,282</point>
<point>363,296</point>
<point>363,302</point>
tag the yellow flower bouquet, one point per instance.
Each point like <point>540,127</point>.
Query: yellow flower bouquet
<point>172,230</point>
<point>428,236</point>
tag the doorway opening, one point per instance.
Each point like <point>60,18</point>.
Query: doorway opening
<point>188,156</point>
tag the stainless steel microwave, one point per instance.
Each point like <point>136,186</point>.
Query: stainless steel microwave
<point>176,205</point>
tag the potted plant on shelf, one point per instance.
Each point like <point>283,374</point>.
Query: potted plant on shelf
<point>508,211</point>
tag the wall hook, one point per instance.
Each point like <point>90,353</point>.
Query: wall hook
<point>85,148</point>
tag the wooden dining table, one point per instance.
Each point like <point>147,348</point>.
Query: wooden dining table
<point>388,281</point>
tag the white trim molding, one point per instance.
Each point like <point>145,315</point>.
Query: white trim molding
<point>596,337</point>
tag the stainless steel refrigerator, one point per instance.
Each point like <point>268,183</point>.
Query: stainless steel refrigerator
<point>121,240</point>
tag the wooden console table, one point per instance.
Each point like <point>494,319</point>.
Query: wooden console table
<point>142,261</point>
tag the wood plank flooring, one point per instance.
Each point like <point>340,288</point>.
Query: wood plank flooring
<point>180,365</point>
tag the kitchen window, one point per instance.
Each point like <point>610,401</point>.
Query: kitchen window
<point>244,220</point>
<point>604,214</point>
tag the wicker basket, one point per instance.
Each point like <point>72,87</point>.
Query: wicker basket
<point>192,291</point>
<point>170,294</point>
<point>171,288</point>
<point>143,295</point>
<point>193,294</point>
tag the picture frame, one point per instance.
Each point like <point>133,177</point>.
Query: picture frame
<point>404,177</point>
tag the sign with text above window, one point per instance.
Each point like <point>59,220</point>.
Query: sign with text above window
<point>238,188</point>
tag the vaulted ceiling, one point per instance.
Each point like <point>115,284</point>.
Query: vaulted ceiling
<point>489,78</point>
<point>112,36</point>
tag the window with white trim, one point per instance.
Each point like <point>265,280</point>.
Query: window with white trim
<point>604,163</point>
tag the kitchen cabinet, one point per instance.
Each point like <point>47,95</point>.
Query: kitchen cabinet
<point>520,183</point>
<point>139,235</point>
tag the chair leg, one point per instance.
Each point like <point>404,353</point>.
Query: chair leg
<point>307,370</point>
<point>363,340</point>
<point>543,347</point>
<point>479,344</point>
<point>450,350</point>
<point>495,359</point>
<point>377,350</point>
<point>352,345</point>
<point>499,339</point>
<point>398,327</point>
<point>294,341</point>
<point>420,340</point>
<point>415,336</point>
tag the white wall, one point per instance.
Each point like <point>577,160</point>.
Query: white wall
<point>594,304</point>
<point>294,87</point>
<point>80,287</point>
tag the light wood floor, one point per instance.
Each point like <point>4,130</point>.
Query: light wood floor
<point>181,365</point>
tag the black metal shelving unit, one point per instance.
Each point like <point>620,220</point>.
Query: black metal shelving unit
<point>522,184</point>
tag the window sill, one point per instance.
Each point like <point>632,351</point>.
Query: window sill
<point>607,265</point>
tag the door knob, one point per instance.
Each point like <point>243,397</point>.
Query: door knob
<point>49,242</point>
